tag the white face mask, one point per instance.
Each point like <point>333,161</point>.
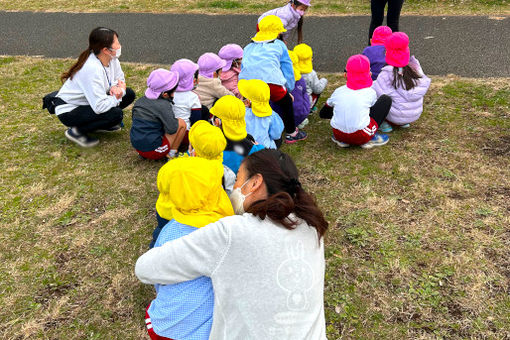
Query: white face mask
<point>117,52</point>
<point>237,199</point>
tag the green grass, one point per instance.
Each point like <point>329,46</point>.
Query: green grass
<point>320,7</point>
<point>418,240</point>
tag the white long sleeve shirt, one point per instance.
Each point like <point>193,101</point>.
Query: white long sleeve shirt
<point>268,281</point>
<point>90,86</point>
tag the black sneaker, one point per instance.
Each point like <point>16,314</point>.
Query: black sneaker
<point>80,138</point>
<point>300,135</point>
<point>111,129</point>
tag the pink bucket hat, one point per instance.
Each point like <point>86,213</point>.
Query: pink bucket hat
<point>186,69</point>
<point>160,81</point>
<point>229,53</point>
<point>358,72</point>
<point>380,35</point>
<point>208,63</point>
<point>397,50</point>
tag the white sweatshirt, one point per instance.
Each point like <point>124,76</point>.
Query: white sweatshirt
<point>90,85</point>
<point>268,281</point>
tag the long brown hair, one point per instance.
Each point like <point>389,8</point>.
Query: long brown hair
<point>99,38</point>
<point>285,194</point>
<point>406,80</point>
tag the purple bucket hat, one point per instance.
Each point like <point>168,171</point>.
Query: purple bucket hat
<point>306,2</point>
<point>186,69</point>
<point>160,81</point>
<point>208,63</point>
<point>229,53</point>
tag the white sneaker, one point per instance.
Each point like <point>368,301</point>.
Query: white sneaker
<point>340,144</point>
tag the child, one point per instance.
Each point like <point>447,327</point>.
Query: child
<point>233,56</point>
<point>354,109</point>
<point>192,185</point>
<point>261,122</point>
<point>156,133</point>
<point>206,141</point>
<point>228,114</point>
<point>314,85</point>
<point>404,81</point>
<point>209,87</point>
<point>291,16</point>
<point>267,58</point>
<point>186,102</point>
<point>376,52</point>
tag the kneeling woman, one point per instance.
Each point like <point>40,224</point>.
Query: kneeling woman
<point>266,266</point>
<point>94,91</point>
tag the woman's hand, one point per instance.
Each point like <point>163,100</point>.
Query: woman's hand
<point>117,91</point>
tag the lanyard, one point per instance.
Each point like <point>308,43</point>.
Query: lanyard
<point>108,78</point>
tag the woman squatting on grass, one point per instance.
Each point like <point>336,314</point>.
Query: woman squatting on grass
<point>266,264</point>
<point>94,91</point>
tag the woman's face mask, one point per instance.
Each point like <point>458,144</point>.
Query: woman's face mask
<point>117,52</point>
<point>237,198</point>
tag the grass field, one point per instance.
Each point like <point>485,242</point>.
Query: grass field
<point>419,237</point>
<point>320,7</point>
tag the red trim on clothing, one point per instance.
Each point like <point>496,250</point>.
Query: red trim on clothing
<point>159,153</point>
<point>150,330</point>
<point>277,92</point>
<point>359,137</point>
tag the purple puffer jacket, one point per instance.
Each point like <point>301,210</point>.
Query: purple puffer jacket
<point>377,56</point>
<point>288,15</point>
<point>301,103</point>
<point>407,106</point>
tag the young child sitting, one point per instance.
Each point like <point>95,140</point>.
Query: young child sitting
<point>404,81</point>
<point>233,56</point>
<point>206,141</point>
<point>228,114</point>
<point>314,85</point>
<point>186,102</point>
<point>376,52</point>
<point>262,123</point>
<point>291,16</point>
<point>156,133</point>
<point>209,87</point>
<point>193,187</point>
<point>354,109</point>
<point>267,58</point>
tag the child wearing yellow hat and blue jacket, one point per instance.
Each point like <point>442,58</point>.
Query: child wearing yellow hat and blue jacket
<point>267,58</point>
<point>228,114</point>
<point>262,122</point>
<point>193,189</point>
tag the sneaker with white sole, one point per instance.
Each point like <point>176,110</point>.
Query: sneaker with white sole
<point>111,129</point>
<point>295,137</point>
<point>405,126</point>
<point>303,124</point>
<point>378,140</point>
<point>340,144</point>
<point>80,138</point>
<point>385,127</point>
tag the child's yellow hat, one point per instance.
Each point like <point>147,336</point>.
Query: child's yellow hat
<point>207,140</point>
<point>257,91</point>
<point>295,66</point>
<point>269,28</point>
<point>231,111</point>
<point>305,54</point>
<point>191,188</point>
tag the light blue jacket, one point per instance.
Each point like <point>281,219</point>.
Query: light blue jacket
<point>265,130</point>
<point>268,61</point>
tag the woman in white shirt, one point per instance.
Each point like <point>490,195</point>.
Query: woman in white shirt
<point>266,265</point>
<point>94,91</point>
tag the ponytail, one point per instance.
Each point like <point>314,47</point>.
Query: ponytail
<point>405,77</point>
<point>285,193</point>
<point>99,38</point>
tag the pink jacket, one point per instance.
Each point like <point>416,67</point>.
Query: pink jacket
<point>407,106</point>
<point>229,79</point>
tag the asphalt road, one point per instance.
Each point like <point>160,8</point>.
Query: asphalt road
<point>467,46</point>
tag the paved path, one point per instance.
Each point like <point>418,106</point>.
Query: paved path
<point>467,46</point>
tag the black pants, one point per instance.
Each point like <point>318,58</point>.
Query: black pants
<point>381,109</point>
<point>377,6</point>
<point>86,120</point>
<point>287,113</point>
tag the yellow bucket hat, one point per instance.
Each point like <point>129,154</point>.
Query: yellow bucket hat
<point>269,28</point>
<point>207,140</point>
<point>257,91</point>
<point>305,54</point>
<point>231,111</point>
<point>295,66</point>
<point>190,188</point>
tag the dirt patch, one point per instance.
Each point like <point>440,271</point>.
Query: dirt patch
<point>497,147</point>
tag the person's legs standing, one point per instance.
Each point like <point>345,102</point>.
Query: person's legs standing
<point>393,16</point>
<point>381,108</point>
<point>377,8</point>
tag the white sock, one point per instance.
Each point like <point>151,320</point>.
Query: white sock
<point>172,153</point>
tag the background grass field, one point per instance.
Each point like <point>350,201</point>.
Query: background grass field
<point>419,229</point>
<point>320,7</point>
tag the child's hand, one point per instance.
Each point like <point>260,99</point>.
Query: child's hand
<point>292,97</point>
